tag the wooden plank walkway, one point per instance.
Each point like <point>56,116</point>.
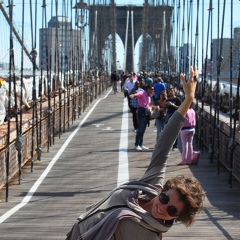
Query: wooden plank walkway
<point>87,169</point>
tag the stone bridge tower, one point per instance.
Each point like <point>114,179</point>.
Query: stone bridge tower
<point>131,22</point>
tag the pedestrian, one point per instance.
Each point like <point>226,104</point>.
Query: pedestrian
<point>134,105</point>
<point>148,79</point>
<point>146,208</point>
<point>187,134</point>
<point>144,101</point>
<point>161,105</point>
<point>172,103</point>
<point>122,78</point>
<point>114,80</point>
<point>159,86</point>
<point>128,86</point>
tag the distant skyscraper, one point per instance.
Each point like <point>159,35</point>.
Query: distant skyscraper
<point>186,57</point>
<point>56,45</point>
<point>226,56</point>
<point>236,52</point>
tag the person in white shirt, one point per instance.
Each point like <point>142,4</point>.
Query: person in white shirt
<point>129,85</point>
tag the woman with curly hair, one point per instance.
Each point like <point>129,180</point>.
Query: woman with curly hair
<point>146,208</point>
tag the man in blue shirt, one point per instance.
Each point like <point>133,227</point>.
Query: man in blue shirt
<point>159,87</point>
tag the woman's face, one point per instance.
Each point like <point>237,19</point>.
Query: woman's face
<point>164,95</point>
<point>159,210</point>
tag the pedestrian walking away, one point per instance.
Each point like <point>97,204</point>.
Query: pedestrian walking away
<point>114,80</point>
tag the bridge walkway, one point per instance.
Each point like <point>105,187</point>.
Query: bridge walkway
<point>82,167</point>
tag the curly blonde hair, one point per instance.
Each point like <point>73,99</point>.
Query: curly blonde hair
<point>191,193</point>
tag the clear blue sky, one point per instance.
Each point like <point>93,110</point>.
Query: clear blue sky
<point>27,38</point>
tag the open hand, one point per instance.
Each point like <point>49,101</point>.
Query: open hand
<point>189,86</point>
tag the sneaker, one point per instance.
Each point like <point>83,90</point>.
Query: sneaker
<point>174,149</point>
<point>138,148</point>
<point>135,130</point>
<point>144,148</point>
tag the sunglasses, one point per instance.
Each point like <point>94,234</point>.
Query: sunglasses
<point>171,210</point>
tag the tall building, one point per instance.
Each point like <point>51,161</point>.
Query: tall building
<point>226,56</point>
<point>57,44</point>
<point>186,55</point>
<point>236,52</point>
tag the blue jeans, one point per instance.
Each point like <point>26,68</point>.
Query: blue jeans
<point>175,145</point>
<point>142,124</point>
<point>159,125</point>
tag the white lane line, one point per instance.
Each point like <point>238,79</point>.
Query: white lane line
<point>29,195</point>
<point>123,169</point>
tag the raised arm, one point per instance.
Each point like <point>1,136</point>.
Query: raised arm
<point>189,88</point>
<point>156,170</point>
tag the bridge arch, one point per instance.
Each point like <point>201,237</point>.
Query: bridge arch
<point>130,22</point>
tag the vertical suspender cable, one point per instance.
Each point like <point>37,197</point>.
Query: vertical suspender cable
<point>195,58</point>
<point>144,35</point>
<point>15,113</point>
<point>64,92</point>
<point>126,37</point>
<point>231,78</point>
<point>162,52</point>
<point>39,113</point>
<point>195,64</point>
<point>67,67</point>
<point>210,151</point>
<point>41,82</point>
<point>113,23</point>
<point>177,38</point>
<point>173,37</point>
<point>76,72</point>
<point>19,139</point>
<point>191,41</point>
<point>187,57</point>
<point>68,87</point>
<point>232,143</point>
<point>56,70</point>
<point>205,64</point>
<point>75,66</point>
<point>10,5</point>
<point>34,110</point>
<point>216,115</point>
<point>34,56</point>
<point>203,84</point>
<point>132,29</point>
<point>183,38</point>
<point>50,81</point>
<point>61,74</point>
